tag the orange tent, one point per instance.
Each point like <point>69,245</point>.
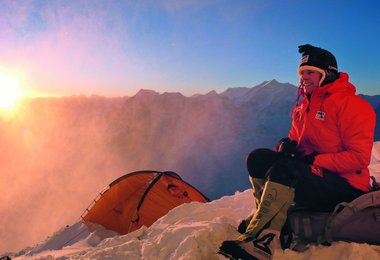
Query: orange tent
<point>140,198</point>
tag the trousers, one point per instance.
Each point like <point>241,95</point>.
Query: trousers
<point>316,189</point>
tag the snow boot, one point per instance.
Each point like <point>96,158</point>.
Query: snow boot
<point>263,232</point>
<point>260,248</point>
<point>257,185</point>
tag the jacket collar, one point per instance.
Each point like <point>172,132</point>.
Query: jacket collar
<point>340,85</point>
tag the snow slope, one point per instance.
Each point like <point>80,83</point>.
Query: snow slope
<point>190,231</point>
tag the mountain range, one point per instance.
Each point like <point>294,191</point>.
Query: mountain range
<point>74,146</point>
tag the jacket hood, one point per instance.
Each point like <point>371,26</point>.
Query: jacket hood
<point>340,85</point>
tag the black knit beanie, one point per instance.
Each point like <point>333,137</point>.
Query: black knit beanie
<point>323,61</point>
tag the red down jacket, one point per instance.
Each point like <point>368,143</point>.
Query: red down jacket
<point>339,126</point>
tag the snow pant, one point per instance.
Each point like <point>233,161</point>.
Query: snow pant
<point>315,189</point>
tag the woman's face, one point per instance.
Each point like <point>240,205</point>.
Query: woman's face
<point>309,80</point>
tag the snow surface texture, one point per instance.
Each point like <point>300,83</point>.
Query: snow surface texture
<point>190,231</point>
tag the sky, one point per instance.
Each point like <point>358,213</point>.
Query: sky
<point>116,47</point>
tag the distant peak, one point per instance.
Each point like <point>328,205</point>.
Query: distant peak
<point>173,94</point>
<point>270,82</point>
<point>236,88</point>
<point>212,93</point>
<point>146,92</point>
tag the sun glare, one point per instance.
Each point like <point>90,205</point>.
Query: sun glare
<point>10,91</point>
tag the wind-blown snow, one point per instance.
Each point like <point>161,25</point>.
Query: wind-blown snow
<point>190,231</point>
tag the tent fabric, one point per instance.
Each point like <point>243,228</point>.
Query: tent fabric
<point>140,198</point>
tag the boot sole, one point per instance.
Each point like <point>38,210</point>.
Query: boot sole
<point>238,252</point>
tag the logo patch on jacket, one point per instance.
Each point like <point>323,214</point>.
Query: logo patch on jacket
<point>320,115</point>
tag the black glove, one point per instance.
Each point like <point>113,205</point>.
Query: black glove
<point>309,158</point>
<point>287,146</point>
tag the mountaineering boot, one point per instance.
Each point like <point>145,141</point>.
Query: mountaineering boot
<point>263,232</point>
<point>257,185</point>
<point>272,209</point>
<point>260,248</point>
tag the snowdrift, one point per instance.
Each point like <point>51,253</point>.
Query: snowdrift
<point>190,231</point>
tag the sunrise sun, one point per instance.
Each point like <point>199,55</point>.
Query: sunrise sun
<point>10,91</point>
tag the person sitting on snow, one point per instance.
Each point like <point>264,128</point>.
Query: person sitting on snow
<point>323,161</point>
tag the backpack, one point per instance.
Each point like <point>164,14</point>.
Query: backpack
<point>356,221</point>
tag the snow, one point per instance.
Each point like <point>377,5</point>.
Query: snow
<point>190,231</point>
<point>374,167</point>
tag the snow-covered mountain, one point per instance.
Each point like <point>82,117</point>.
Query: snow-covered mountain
<point>190,231</point>
<point>375,102</point>
<point>58,153</point>
<point>273,90</point>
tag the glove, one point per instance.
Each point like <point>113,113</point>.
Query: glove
<point>309,158</point>
<point>287,146</point>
